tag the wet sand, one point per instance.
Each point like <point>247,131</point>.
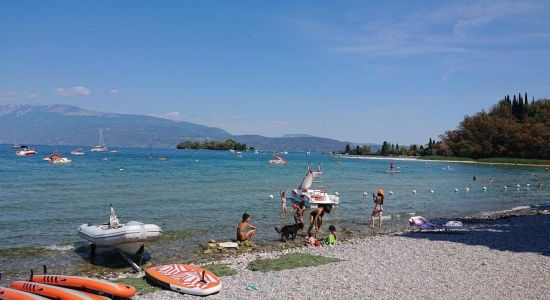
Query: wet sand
<point>505,255</point>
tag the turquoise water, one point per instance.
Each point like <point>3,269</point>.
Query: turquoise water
<point>200,195</point>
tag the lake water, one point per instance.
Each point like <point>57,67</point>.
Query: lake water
<point>199,195</point>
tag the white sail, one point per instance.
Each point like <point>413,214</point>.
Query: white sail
<point>308,180</point>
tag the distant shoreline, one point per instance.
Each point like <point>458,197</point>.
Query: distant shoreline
<point>438,160</point>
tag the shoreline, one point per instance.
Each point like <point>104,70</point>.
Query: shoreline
<point>481,239</point>
<point>442,161</point>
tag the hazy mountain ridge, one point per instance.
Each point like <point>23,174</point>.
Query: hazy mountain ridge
<point>60,124</point>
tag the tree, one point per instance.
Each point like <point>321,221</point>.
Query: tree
<point>347,151</point>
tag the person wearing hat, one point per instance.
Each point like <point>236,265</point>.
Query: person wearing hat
<point>378,202</point>
<point>242,234</point>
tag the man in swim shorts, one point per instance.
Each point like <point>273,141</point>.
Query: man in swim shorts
<point>242,234</point>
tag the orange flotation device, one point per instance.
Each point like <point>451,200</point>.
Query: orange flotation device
<point>54,292</point>
<point>112,288</point>
<point>11,294</point>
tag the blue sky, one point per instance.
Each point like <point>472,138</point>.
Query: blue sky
<point>360,71</point>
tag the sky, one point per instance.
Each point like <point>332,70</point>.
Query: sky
<point>359,71</point>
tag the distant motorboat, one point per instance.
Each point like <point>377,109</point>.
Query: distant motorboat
<point>114,234</point>
<point>312,192</point>
<point>101,147</point>
<point>78,151</point>
<point>25,151</point>
<point>277,160</point>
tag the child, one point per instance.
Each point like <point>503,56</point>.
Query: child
<point>299,215</point>
<point>333,236</point>
<point>311,240</point>
<point>283,201</point>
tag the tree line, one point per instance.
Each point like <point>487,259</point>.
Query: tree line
<point>213,145</point>
<point>514,128</point>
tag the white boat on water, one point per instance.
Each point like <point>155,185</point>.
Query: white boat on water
<point>56,159</point>
<point>312,192</point>
<point>25,151</point>
<point>78,151</point>
<point>116,235</point>
<point>101,147</point>
<point>277,160</point>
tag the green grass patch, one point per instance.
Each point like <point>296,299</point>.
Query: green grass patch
<point>289,261</point>
<point>220,270</point>
<point>141,285</point>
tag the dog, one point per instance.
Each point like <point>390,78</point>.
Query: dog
<point>289,230</point>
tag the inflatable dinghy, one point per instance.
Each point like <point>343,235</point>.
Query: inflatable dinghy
<point>113,234</point>
<point>187,279</point>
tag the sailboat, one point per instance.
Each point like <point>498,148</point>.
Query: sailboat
<point>101,147</point>
<point>15,144</point>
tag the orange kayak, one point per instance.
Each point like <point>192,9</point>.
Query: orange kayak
<point>11,294</point>
<point>112,288</point>
<point>54,292</point>
<point>188,279</point>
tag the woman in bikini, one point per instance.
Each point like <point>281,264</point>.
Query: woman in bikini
<point>242,234</point>
<point>378,202</point>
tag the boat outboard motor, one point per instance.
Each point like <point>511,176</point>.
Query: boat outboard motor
<point>113,219</point>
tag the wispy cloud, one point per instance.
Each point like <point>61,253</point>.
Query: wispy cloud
<point>8,96</point>
<point>174,116</point>
<point>113,91</point>
<point>446,29</point>
<point>33,95</point>
<point>73,91</point>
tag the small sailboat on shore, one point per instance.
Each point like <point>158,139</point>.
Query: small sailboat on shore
<point>101,147</point>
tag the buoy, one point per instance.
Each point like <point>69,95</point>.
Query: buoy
<point>271,196</point>
<point>196,160</point>
<point>414,191</point>
<point>456,190</point>
<point>432,191</point>
<point>336,193</point>
<point>391,192</point>
<point>467,189</point>
<point>532,174</point>
<point>365,194</point>
<point>484,188</point>
<point>528,185</point>
<point>505,187</point>
<point>518,185</point>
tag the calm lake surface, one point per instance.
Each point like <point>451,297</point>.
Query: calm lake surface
<point>199,195</point>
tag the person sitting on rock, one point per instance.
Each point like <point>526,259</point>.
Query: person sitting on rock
<point>242,234</point>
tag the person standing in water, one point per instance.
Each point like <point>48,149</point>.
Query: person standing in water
<point>391,166</point>
<point>378,202</point>
<point>316,217</point>
<point>299,215</point>
<point>242,234</point>
<point>283,202</point>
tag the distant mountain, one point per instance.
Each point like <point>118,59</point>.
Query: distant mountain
<point>70,125</point>
<point>294,135</point>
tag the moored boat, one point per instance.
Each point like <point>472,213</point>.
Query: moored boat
<point>115,234</point>
<point>78,151</point>
<point>25,151</point>
<point>101,147</point>
<point>277,160</point>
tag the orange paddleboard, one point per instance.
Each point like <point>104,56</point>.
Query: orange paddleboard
<point>187,279</point>
<point>11,294</point>
<point>52,291</point>
<point>112,288</point>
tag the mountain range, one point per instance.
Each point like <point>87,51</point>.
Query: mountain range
<point>61,124</point>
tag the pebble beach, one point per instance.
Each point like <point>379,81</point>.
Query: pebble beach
<point>505,257</point>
